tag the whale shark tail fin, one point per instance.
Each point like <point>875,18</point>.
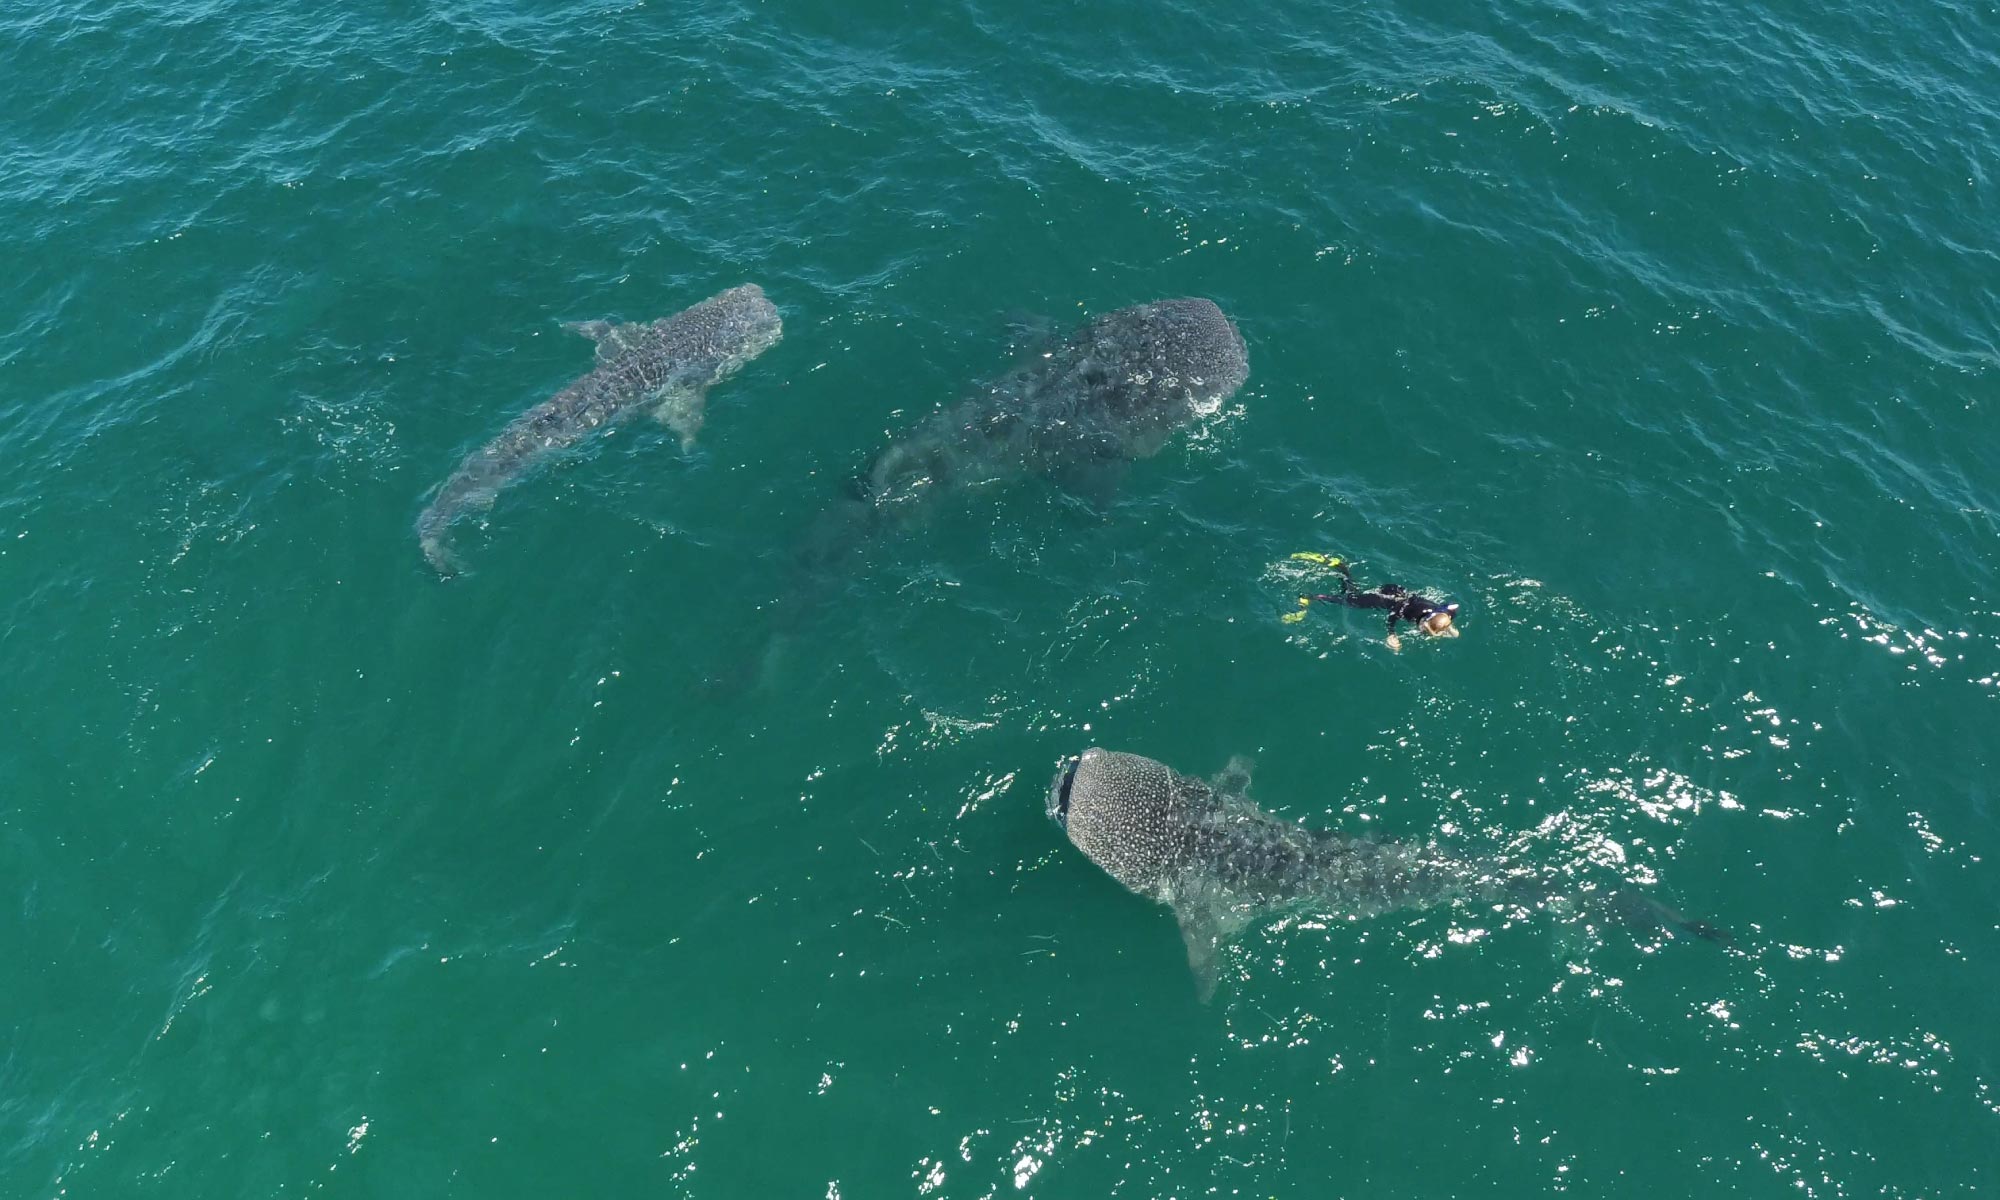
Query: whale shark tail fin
<point>438,552</point>
<point>433,532</point>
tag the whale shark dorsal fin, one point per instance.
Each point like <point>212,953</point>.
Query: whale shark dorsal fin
<point>612,340</point>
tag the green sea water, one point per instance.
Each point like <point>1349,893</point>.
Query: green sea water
<point>1664,336</point>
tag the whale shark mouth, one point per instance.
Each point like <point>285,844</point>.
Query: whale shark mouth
<point>1059,791</point>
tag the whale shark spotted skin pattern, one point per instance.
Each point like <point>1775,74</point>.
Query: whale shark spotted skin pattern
<point>1220,862</point>
<point>1077,413</point>
<point>666,365</point>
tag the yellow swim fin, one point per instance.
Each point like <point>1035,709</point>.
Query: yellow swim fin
<point>1316,558</point>
<point>1294,617</point>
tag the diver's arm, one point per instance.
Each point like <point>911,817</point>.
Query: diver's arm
<point>1392,641</point>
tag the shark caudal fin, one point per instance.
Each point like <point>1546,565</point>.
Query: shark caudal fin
<point>433,532</point>
<point>470,489</point>
<point>440,556</point>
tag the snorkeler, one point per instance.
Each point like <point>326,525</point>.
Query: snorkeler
<point>1426,614</point>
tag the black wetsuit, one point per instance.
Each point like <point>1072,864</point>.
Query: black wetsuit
<point>1403,605</point>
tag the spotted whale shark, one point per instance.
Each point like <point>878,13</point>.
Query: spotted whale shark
<point>666,366</point>
<point>1220,862</point>
<point>1077,413</point>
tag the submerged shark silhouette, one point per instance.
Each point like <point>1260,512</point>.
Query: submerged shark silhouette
<point>1077,414</point>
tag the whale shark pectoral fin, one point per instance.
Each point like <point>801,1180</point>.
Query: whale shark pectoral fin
<point>1145,443</point>
<point>612,340</point>
<point>1029,332</point>
<point>1235,777</point>
<point>1207,924</point>
<point>1202,944</point>
<point>682,408</point>
<point>1095,480</point>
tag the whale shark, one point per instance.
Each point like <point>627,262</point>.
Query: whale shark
<point>666,366</point>
<point>1220,862</point>
<point>1077,413</point>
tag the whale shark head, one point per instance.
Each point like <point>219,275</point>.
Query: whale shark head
<point>1165,363</point>
<point>727,329</point>
<point>1059,790</point>
<point>1128,814</point>
<point>1127,381</point>
<point>1192,342</point>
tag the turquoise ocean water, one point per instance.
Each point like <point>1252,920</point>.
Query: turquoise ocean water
<point>1665,336</point>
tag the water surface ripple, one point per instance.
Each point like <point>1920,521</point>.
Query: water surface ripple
<point>1663,336</point>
